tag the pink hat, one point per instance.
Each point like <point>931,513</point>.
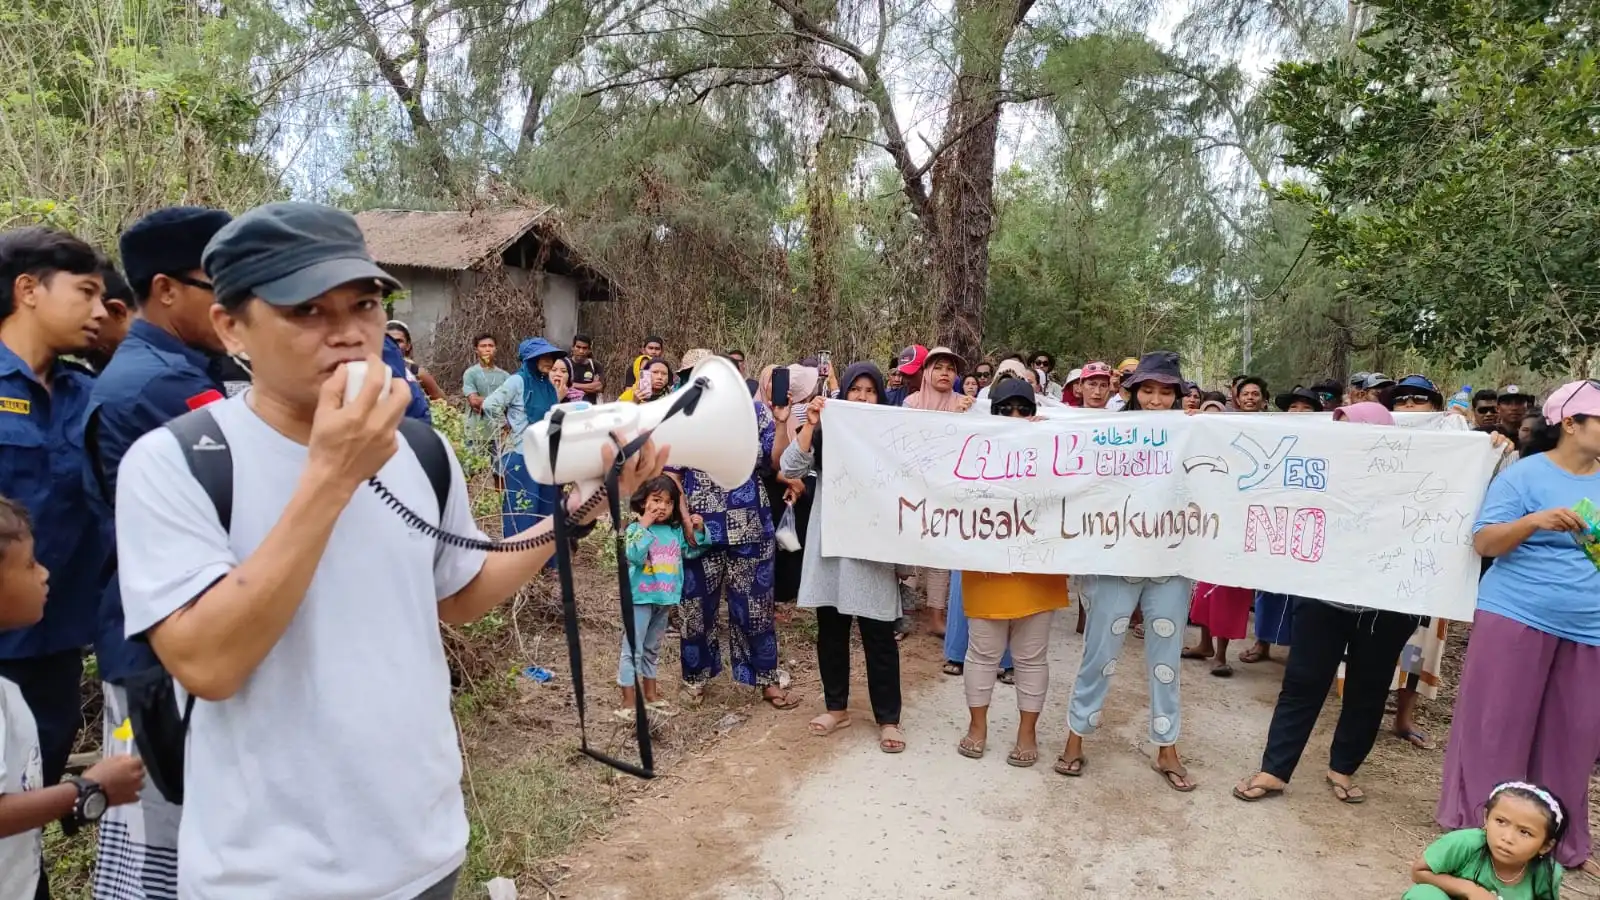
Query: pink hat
<point>1096,369</point>
<point>1368,413</point>
<point>1578,398</point>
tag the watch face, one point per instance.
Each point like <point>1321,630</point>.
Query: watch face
<point>94,806</point>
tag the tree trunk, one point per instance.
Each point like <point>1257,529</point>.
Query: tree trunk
<point>963,177</point>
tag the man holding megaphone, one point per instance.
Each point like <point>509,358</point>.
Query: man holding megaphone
<point>299,608</point>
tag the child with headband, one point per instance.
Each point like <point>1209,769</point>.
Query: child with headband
<point>1507,859</point>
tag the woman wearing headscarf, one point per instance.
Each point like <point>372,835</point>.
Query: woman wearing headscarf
<point>735,568</point>
<point>785,488</point>
<point>1528,709</point>
<point>938,394</point>
<point>1009,612</point>
<point>632,394</point>
<point>521,400</point>
<point>1111,601</point>
<point>1369,641</point>
<point>840,588</point>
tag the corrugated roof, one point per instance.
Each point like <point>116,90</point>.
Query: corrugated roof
<point>453,241</point>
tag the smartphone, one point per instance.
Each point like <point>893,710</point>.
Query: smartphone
<point>780,386</point>
<point>825,362</point>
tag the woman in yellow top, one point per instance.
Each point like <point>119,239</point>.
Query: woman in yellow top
<point>1009,610</point>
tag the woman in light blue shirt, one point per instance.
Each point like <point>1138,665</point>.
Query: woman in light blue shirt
<point>523,399</point>
<point>1528,709</point>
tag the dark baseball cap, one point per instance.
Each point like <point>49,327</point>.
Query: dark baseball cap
<point>288,253</point>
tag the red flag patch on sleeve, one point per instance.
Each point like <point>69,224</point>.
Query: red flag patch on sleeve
<point>201,399</point>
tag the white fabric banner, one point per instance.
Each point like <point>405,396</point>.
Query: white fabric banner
<point>1298,504</point>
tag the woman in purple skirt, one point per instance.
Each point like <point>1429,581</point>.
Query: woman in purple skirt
<point>1528,708</point>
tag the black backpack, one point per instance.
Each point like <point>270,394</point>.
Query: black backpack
<point>159,731</point>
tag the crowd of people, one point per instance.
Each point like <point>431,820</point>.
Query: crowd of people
<point>190,485</point>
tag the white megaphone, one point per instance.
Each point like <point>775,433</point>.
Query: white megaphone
<point>716,434</point>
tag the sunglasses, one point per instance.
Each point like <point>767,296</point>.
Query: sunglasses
<point>1041,363</point>
<point>1483,410</point>
<point>1413,398</point>
<point>984,374</point>
<point>1013,410</point>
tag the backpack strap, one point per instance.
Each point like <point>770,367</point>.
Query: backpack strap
<point>205,449</point>
<point>428,446</point>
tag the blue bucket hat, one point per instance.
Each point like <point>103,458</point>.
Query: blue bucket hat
<point>1413,384</point>
<point>535,347</point>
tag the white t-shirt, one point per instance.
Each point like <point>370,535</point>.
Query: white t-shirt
<point>21,769</point>
<point>335,771</point>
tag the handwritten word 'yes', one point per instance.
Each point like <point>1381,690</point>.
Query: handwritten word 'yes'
<point>1265,463</point>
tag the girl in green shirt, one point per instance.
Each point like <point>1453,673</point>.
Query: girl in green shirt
<point>1507,859</point>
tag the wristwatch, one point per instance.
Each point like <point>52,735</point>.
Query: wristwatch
<point>91,803</point>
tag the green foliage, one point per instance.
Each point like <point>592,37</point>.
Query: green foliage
<point>1457,169</point>
<point>109,110</point>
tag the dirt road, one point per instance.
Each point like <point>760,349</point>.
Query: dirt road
<point>774,813</point>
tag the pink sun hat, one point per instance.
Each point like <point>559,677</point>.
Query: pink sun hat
<point>1577,398</point>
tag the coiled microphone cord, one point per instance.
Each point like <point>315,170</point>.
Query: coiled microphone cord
<point>417,522</point>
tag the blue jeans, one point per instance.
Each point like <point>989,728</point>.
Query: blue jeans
<point>649,626</point>
<point>1110,601</point>
<point>955,628</point>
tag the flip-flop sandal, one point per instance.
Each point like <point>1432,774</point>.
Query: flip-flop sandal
<point>623,714</point>
<point>1223,671</point>
<point>971,749</point>
<point>891,739</point>
<point>1020,759</point>
<point>1072,768</point>
<point>1193,653</point>
<point>1252,655</point>
<point>1007,676</point>
<point>781,700</point>
<point>953,668</point>
<point>827,724</point>
<point>1138,631</point>
<point>1417,738</point>
<point>1247,793</point>
<point>1351,795</point>
<point>1173,775</point>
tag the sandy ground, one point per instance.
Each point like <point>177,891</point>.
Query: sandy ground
<point>771,812</point>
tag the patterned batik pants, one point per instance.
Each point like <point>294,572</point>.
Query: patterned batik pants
<point>743,573</point>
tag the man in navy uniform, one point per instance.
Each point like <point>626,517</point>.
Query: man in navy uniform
<point>50,306</point>
<point>170,362</point>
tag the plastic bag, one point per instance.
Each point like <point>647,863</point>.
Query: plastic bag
<point>787,536</point>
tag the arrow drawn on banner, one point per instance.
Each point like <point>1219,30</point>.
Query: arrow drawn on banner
<point>1209,463</point>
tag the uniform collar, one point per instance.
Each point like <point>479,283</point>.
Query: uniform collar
<point>11,364</point>
<point>167,342</point>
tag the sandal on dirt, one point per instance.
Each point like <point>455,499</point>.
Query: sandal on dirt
<point>1223,671</point>
<point>1255,655</point>
<point>828,723</point>
<point>971,749</point>
<point>1174,775</point>
<point>1022,760</point>
<point>891,739</point>
<point>694,694</point>
<point>1252,793</point>
<point>1418,738</point>
<point>1351,795</point>
<point>1008,676</point>
<point>952,667</point>
<point>1138,631</point>
<point>1072,768</point>
<point>1194,653</point>
<point>781,700</point>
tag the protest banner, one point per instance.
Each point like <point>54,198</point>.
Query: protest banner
<point>1298,504</point>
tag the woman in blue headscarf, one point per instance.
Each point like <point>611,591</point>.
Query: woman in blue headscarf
<point>523,399</point>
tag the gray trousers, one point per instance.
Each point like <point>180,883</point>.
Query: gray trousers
<point>444,890</point>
